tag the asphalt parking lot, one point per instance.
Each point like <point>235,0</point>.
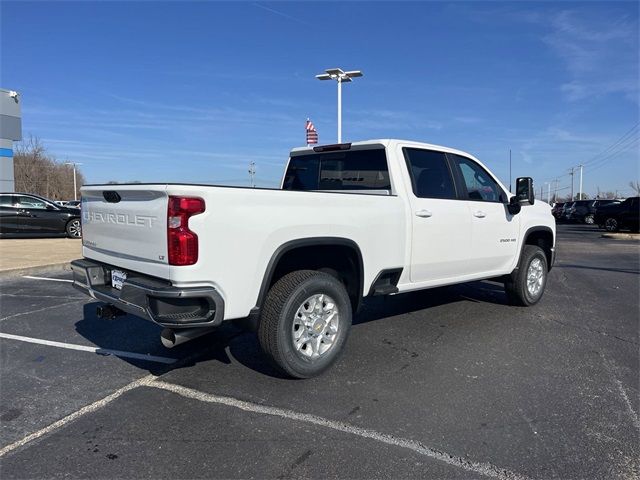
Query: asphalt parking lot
<point>446,383</point>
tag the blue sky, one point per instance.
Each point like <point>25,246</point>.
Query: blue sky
<point>193,92</point>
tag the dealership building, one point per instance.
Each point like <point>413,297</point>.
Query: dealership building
<point>10,131</point>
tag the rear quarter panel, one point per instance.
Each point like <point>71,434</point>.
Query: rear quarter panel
<point>242,228</point>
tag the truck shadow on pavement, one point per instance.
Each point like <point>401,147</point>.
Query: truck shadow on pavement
<point>376,308</point>
<point>132,334</point>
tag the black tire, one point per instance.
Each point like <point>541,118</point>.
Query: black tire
<point>276,329</point>
<point>516,284</point>
<point>74,228</point>
<point>611,224</point>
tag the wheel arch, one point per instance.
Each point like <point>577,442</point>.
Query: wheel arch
<point>543,237</point>
<point>289,251</point>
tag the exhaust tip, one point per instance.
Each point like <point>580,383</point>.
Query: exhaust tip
<point>168,338</point>
<point>171,338</point>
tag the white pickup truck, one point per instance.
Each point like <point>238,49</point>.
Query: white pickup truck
<point>351,220</point>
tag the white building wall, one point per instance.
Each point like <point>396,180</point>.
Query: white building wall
<point>10,131</point>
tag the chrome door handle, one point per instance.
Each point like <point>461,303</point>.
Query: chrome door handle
<point>424,213</point>
<point>479,214</point>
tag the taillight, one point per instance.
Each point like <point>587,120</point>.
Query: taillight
<point>182,242</point>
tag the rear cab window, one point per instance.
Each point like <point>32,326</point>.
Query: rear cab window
<point>364,170</point>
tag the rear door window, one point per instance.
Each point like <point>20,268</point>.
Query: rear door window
<point>430,173</point>
<point>343,170</point>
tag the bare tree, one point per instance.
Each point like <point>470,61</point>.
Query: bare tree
<point>635,186</point>
<point>36,171</point>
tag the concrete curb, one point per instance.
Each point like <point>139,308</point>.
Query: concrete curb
<point>622,236</point>
<point>36,270</point>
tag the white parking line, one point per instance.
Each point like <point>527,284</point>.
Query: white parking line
<point>481,468</point>
<point>48,279</point>
<point>100,351</point>
<point>78,413</point>
<point>48,307</point>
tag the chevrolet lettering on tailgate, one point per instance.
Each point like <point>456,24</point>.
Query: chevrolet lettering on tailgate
<point>119,218</point>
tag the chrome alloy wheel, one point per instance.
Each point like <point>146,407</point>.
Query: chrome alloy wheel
<point>75,229</point>
<point>535,277</point>
<point>315,326</point>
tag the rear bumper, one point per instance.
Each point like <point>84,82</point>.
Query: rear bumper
<point>150,298</point>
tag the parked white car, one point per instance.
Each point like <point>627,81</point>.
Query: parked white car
<point>378,217</point>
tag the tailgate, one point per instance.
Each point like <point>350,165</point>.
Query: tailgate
<point>126,226</point>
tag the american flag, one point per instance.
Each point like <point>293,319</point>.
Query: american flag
<point>312,134</point>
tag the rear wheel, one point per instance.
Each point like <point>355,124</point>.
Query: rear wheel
<point>305,322</point>
<point>74,228</point>
<point>526,285</point>
<point>611,225</point>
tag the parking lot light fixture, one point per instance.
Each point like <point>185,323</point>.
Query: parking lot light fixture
<point>339,76</point>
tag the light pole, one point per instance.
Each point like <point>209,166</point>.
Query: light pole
<point>339,76</point>
<point>75,188</point>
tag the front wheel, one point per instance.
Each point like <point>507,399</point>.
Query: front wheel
<point>74,228</point>
<point>526,285</point>
<point>305,322</point>
<point>611,225</point>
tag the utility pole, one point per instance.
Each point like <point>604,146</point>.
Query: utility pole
<point>252,174</point>
<point>572,168</point>
<point>580,194</point>
<point>548,184</point>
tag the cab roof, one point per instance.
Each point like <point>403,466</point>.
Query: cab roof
<point>387,142</point>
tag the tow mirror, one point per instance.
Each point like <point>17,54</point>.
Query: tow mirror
<point>524,190</point>
<point>514,206</point>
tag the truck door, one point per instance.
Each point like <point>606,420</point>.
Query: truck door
<point>441,226</point>
<point>494,233</point>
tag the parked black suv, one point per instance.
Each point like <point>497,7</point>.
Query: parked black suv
<point>619,216</point>
<point>583,210</point>
<point>26,215</point>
